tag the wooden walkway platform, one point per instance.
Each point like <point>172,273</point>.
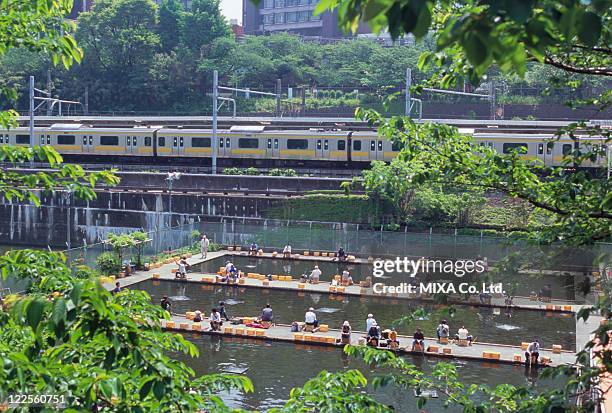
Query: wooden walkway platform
<point>491,352</point>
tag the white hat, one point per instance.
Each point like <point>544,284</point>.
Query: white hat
<point>374,323</point>
<point>198,312</point>
<point>317,267</point>
<point>311,309</point>
<point>346,323</point>
<point>370,316</point>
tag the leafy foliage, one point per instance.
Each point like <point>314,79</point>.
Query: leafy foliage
<point>108,263</point>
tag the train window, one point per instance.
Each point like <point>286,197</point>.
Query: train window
<point>297,143</point>
<point>84,140</point>
<point>22,139</point>
<point>147,141</point>
<point>549,148</point>
<point>318,144</point>
<point>182,141</point>
<point>325,144</point>
<point>1,138</point>
<point>540,148</point>
<point>161,141</point>
<point>175,142</point>
<point>127,140</point>
<point>48,140</point>
<point>65,139</point>
<point>380,146</point>
<point>227,142</point>
<point>397,146</point>
<point>341,145</point>
<point>566,149</point>
<point>356,145</point>
<point>42,139</point>
<point>91,140</point>
<point>134,141</point>
<point>109,140</point>
<point>269,143</point>
<point>275,143</point>
<point>519,147</point>
<point>248,143</point>
<point>372,145</point>
<point>221,143</point>
<point>200,142</point>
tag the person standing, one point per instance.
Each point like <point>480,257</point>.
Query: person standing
<point>369,321</point>
<point>442,330</point>
<point>222,311</point>
<point>204,244</point>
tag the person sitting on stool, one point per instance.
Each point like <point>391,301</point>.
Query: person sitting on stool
<point>418,339</point>
<point>373,335</point>
<point>287,251</point>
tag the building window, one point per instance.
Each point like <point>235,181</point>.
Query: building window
<point>292,17</point>
<point>315,18</point>
<point>23,139</point>
<point>518,147</point>
<point>109,140</point>
<point>303,2</point>
<point>248,143</point>
<point>268,18</point>
<point>297,144</point>
<point>268,4</point>
<point>200,142</point>
<point>279,4</point>
<point>303,16</point>
<point>291,3</point>
<point>279,18</point>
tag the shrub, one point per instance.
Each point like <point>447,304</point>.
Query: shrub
<point>108,263</point>
<point>232,171</point>
<point>251,171</point>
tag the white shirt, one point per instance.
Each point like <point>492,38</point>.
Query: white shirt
<point>215,317</point>
<point>310,317</point>
<point>369,322</point>
<point>316,273</point>
<point>287,249</point>
<point>228,267</point>
<point>533,347</point>
<point>182,269</point>
<point>462,333</point>
<point>204,243</point>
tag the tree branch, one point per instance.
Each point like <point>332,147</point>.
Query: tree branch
<point>599,71</point>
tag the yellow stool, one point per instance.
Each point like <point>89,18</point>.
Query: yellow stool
<point>433,349</point>
<point>190,315</point>
<point>240,330</point>
<point>491,355</point>
<point>447,350</point>
<point>265,283</point>
<point>524,345</point>
<point>250,331</point>
<point>316,253</point>
<point>156,275</point>
<point>241,281</point>
<point>340,290</point>
<point>556,348</point>
<point>517,358</point>
<point>260,332</point>
<point>567,308</point>
<point>301,286</point>
<point>170,324</point>
<point>298,336</point>
<point>306,253</point>
<point>443,340</point>
<point>228,330</point>
<point>324,328</point>
<point>332,289</point>
<point>545,360</point>
<point>184,326</point>
<point>196,327</point>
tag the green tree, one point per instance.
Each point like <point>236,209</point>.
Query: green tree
<point>169,25</point>
<point>119,40</point>
<point>201,25</point>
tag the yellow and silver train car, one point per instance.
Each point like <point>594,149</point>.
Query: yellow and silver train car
<point>254,145</point>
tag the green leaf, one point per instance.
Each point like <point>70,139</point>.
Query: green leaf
<point>589,31</point>
<point>475,49</point>
<point>35,311</point>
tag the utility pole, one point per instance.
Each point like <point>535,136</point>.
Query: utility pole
<point>214,121</point>
<point>408,85</point>
<point>86,98</point>
<point>278,97</point>
<point>32,119</point>
<point>492,98</point>
<point>49,107</point>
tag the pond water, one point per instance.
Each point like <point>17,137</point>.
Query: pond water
<point>485,324</point>
<point>563,286</point>
<point>275,368</point>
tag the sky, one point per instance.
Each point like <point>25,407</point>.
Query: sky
<point>232,9</point>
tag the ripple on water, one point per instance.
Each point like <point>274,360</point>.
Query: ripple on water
<point>507,327</point>
<point>179,298</point>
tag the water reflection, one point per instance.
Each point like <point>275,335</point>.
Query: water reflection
<point>276,368</point>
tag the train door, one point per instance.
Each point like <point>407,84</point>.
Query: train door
<point>224,148</point>
<point>544,152</point>
<point>178,145</point>
<point>322,148</point>
<point>128,145</point>
<point>376,150</point>
<point>87,143</point>
<point>272,147</point>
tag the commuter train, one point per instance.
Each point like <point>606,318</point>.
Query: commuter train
<point>256,146</point>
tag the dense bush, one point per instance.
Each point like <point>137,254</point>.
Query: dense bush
<point>108,263</point>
